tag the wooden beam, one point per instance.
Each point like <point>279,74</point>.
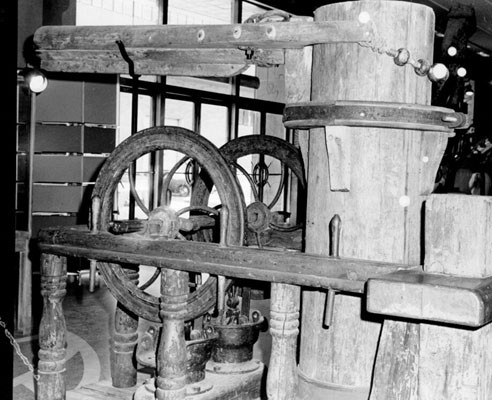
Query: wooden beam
<point>152,61</point>
<point>235,262</point>
<point>432,297</point>
<point>264,35</point>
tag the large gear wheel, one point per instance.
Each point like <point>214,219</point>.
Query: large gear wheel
<point>209,159</point>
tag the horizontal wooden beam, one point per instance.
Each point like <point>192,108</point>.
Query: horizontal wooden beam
<point>149,61</point>
<point>432,297</point>
<point>236,262</point>
<point>279,35</point>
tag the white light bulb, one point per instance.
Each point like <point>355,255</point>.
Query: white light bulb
<point>461,72</point>
<point>452,51</point>
<point>38,83</point>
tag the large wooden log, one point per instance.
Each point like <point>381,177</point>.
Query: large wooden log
<point>378,198</point>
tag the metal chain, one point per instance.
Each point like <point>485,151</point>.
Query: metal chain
<point>15,345</point>
<point>401,56</point>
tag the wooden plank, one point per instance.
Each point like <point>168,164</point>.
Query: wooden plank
<point>145,68</point>
<point>147,61</point>
<point>241,262</point>
<point>432,297</point>
<point>265,35</point>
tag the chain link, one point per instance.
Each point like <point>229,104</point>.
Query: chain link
<point>15,345</point>
<point>401,56</point>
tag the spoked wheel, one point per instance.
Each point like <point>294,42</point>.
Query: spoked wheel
<point>260,215</point>
<point>209,159</point>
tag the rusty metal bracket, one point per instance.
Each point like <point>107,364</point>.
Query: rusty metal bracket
<point>373,114</point>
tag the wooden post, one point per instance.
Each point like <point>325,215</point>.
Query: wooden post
<point>285,299</point>
<point>125,338</point>
<point>171,353</point>
<point>52,329</point>
<point>456,363</point>
<point>24,299</point>
<point>376,180</point>
<point>284,327</point>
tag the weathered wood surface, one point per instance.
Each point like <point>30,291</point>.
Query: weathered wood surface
<point>432,297</point>
<point>191,50</point>
<point>24,296</point>
<point>265,35</point>
<point>52,329</point>
<point>456,364</point>
<point>125,338</point>
<point>391,172</point>
<point>285,300</point>
<point>171,350</point>
<point>282,379</point>
<point>176,62</point>
<point>236,262</point>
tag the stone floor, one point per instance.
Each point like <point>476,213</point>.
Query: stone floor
<point>89,319</point>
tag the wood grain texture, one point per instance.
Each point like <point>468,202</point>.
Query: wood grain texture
<point>52,329</point>
<point>24,296</point>
<point>239,262</point>
<point>266,35</point>
<point>458,235</point>
<point>285,299</point>
<point>125,338</point>
<point>381,213</point>
<point>457,363</point>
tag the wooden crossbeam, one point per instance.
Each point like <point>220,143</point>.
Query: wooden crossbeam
<point>235,262</point>
<point>150,61</point>
<point>184,50</point>
<point>274,35</point>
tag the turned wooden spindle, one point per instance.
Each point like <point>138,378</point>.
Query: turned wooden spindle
<point>284,328</point>
<point>52,329</point>
<point>125,338</point>
<point>171,352</point>
<point>285,299</point>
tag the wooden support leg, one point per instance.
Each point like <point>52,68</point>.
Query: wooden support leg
<point>284,323</point>
<point>125,338</point>
<point>52,329</point>
<point>171,353</point>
